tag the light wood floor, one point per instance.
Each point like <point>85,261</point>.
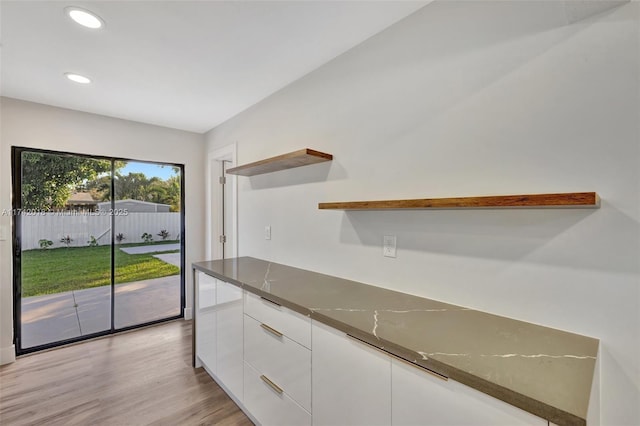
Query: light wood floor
<point>137,378</point>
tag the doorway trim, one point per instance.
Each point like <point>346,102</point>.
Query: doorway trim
<point>215,216</point>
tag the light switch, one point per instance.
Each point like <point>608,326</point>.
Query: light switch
<point>389,246</point>
<point>267,232</point>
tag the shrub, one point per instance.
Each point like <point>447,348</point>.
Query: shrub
<point>66,240</point>
<point>93,242</point>
<point>45,244</point>
<point>164,234</point>
<point>147,238</point>
<point>120,237</point>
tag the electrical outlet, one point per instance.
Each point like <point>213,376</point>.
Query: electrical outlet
<point>389,246</point>
<point>267,232</point>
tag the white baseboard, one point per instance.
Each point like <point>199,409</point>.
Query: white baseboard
<point>188,313</point>
<point>7,354</point>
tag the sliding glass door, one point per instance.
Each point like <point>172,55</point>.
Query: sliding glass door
<point>147,213</point>
<point>98,246</point>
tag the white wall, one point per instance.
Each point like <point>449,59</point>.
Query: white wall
<point>469,98</point>
<point>39,126</point>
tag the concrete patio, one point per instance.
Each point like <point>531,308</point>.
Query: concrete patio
<point>150,249</point>
<point>54,317</point>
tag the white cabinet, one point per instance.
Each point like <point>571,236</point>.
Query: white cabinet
<point>284,369</point>
<point>351,381</point>
<point>206,321</point>
<point>420,398</point>
<point>269,404</point>
<point>229,345</point>
<point>283,361</point>
<point>219,328</point>
<point>295,326</point>
<point>277,367</point>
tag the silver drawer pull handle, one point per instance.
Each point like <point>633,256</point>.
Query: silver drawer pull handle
<point>271,330</point>
<point>272,385</point>
<point>270,301</point>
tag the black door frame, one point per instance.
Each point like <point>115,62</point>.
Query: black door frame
<point>16,179</point>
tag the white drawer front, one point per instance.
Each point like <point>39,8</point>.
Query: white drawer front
<point>420,398</point>
<point>268,406</point>
<point>295,326</point>
<point>282,360</point>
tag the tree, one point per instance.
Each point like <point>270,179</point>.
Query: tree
<point>48,179</point>
<point>156,190</point>
<point>132,186</point>
<point>100,188</point>
<point>174,190</point>
<point>136,186</point>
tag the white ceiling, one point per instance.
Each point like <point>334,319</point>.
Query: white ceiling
<point>184,64</point>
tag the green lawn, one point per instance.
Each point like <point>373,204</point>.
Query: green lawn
<point>63,269</point>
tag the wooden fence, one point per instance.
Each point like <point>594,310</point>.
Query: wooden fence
<point>81,226</point>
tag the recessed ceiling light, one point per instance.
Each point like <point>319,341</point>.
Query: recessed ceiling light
<point>84,17</point>
<point>77,78</point>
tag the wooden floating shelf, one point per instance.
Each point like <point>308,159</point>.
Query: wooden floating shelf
<point>565,200</point>
<point>299,158</point>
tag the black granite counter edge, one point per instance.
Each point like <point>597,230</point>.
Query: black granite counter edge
<point>531,405</point>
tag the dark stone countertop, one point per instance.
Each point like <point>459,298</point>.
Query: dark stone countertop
<point>545,371</point>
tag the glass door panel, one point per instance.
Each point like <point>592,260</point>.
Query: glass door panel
<point>63,249</point>
<point>148,236</point>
